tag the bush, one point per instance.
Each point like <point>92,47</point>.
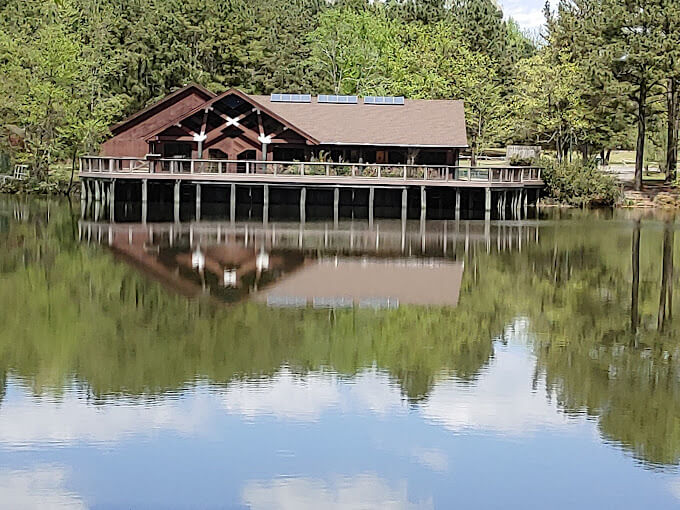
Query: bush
<point>580,183</point>
<point>518,160</point>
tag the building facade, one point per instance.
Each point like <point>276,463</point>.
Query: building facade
<point>194,123</point>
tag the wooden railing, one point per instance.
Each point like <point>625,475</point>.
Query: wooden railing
<point>126,165</point>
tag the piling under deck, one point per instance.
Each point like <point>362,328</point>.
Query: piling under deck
<point>504,189</point>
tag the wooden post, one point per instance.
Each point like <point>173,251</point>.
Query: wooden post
<point>265,205</point>
<point>336,206</point>
<point>371,200</point>
<point>404,205</point>
<point>423,203</point>
<point>176,201</point>
<point>457,204</point>
<point>232,203</point>
<point>145,197</point>
<point>198,202</point>
<point>112,200</point>
<point>97,191</point>
<point>303,200</point>
<point>487,205</point>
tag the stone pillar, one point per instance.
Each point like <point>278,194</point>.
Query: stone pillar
<point>303,206</point>
<point>232,203</point>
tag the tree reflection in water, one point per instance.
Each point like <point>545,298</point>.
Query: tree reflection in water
<point>597,294</point>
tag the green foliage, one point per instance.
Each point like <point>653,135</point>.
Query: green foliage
<point>580,183</point>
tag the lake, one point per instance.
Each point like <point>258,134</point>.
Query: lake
<point>443,364</point>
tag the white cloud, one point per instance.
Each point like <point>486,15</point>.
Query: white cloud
<point>288,396</point>
<point>40,488</point>
<point>528,13</point>
<point>285,396</point>
<point>501,400</point>
<point>347,493</point>
<point>431,458</point>
<point>72,419</point>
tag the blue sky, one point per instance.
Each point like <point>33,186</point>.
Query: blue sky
<point>528,13</point>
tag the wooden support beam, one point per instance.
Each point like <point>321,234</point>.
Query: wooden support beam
<point>232,203</point>
<point>303,204</point>
<point>198,202</point>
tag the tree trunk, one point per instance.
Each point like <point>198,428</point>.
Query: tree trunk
<point>666,293</point>
<point>635,286</point>
<point>642,134</point>
<point>672,133</point>
<point>73,171</point>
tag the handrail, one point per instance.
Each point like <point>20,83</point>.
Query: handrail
<point>391,171</point>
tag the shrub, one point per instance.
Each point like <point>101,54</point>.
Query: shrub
<point>518,160</point>
<point>580,183</point>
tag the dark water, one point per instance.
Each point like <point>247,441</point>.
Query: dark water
<point>529,364</point>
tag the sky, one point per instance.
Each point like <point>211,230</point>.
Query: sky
<point>528,13</point>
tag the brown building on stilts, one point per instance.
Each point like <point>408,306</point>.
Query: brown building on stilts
<point>195,137</point>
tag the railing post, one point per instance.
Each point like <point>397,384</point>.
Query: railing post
<point>247,167</point>
<point>379,172</point>
<point>111,165</point>
<point>328,169</point>
<point>354,170</point>
<point>302,169</point>
<point>405,171</point>
<point>447,174</point>
<point>191,166</point>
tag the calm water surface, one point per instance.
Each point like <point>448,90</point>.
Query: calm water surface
<point>530,364</point>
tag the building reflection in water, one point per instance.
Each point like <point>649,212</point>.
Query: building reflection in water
<point>310,264</point>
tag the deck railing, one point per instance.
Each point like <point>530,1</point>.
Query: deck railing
<point>181,167</point>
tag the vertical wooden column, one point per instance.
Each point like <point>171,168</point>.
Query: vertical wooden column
<point>525,194</point>
<point>97,191</point>
<point>303,204</point>
<point>336,206</point>
<point>404,207</point>
<point>371,203</point>
<point>232,203</point>
<point>145,198</point>
<point>176,201</point>
<point>198,202</point>
<point>457,204</point>
<point>265,205</point>
<point>423,203</point>
<point>112,201</point>
<point>487,204</point>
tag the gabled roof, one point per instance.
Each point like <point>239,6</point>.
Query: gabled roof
<point>159,105</point>
<point>417,123</point>
<point>250,99</point>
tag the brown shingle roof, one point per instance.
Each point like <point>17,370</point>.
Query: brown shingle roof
<point>419,122</point>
